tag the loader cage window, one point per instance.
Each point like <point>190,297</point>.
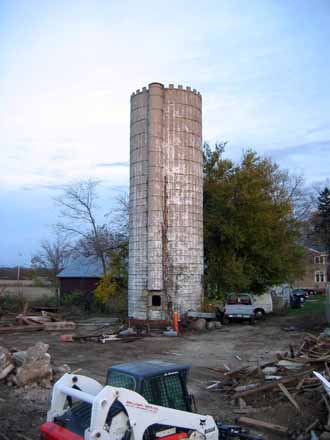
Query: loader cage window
<point>166,391</point>
<point>121,380</point>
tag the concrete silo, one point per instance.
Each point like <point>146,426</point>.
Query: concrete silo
<point>166,202</point>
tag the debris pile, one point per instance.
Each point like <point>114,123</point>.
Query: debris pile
<point>26,368</point>
<point>39,321</point>
<point>287,387</point>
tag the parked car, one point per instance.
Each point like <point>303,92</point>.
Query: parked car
<point>310,291</point>
<point>301,293</point>
<point>239,307</point>
<point>295,302</point>
<point>297,298</point>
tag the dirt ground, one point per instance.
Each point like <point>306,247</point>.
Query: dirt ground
<point>23,411</point>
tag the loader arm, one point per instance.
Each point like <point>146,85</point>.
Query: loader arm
<point>141,415</point>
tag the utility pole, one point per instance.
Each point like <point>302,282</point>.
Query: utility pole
<point>18,273</point>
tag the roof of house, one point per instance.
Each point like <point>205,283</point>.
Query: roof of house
<point>314,246</point>
<point>83,267</point>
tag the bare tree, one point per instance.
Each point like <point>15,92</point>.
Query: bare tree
<point>53,255</point>
<point>119,216</point>
<point>89,247</point>
<point>79,219</point>
<point>292,188</point>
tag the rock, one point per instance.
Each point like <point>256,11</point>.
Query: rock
<point>170,332</point>
<point>36,366</point>
<point>199,324</point>
<point>325,435</point>
<point>5,371</point>
<point>62,369</point>
<point>19,357</point>
<point>128,332</point>
<point>210,325</point>
<point>269,370</point>
<point>6,362</point>
<point>45,383</point>
<point>59,371</point>
<point>217,324</point>
<point>325,333</point>
<point>36,352</point>
<point>33,372</point>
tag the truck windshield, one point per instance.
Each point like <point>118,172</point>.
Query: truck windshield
<point>242,299</point>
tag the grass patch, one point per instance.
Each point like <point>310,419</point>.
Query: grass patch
<point>312,306</point>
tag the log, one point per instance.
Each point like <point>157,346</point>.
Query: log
<point>262,425</point>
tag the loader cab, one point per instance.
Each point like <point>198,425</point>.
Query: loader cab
<point>160,383</point>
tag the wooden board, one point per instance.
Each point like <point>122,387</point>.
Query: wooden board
<point>263,425</point>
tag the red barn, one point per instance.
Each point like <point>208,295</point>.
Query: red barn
<point>81,275</point>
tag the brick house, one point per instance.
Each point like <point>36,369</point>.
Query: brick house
<point>317,266</point>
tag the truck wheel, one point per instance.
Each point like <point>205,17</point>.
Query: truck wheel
<point>259,313</point>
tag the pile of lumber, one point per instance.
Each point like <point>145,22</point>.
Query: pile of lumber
<point>288,378</point>
<point>43,320</point>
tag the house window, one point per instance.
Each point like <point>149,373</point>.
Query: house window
<point>317,260</point>
<point>319,277</point>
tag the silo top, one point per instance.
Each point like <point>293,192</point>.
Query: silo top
<point>170,86</point>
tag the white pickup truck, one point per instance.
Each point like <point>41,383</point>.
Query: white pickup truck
<point>246,306</point>
<point>239,307</point>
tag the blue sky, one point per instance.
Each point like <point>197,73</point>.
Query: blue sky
<point>67,69</point>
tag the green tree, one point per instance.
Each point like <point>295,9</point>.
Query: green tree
<point>250,231</point>
<point>324,216</point>
<point>323,222</point>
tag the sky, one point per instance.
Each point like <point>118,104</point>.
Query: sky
<point>68,68</point>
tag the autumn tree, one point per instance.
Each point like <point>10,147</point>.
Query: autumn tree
<point>250,230</point>
<point>111,291</point>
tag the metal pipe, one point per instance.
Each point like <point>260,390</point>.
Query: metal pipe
<point>73,392</point>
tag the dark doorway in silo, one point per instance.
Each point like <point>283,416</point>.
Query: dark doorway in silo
<point>156,300</point>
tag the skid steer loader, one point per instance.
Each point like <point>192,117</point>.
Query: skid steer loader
<point>141,401</point>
